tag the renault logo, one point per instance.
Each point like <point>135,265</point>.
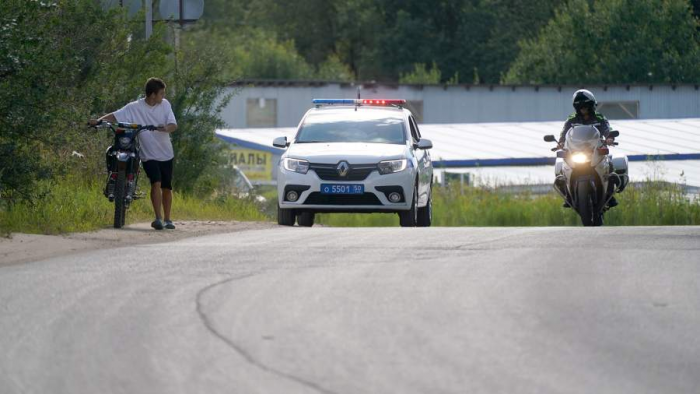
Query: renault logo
<point>343,168</point>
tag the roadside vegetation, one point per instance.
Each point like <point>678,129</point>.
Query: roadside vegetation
<point>646,204</point>
<point>65,61</point>
<point>75,205</point>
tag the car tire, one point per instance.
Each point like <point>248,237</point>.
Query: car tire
<point>285,217</point>
<point>306,219</point>
<point>425,214</point>
<point>410,218</point>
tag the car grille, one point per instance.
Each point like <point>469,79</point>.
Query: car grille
<point>316,198</point>
<point>329,172</point>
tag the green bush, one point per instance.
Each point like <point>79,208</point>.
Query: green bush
<point>76,205</point>
<point>650,203</point>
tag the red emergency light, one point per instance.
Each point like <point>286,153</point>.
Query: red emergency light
<point>383,102</point>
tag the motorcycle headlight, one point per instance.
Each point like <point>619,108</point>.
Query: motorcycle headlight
<point>392,166</point>
<point>125,141</point>
<point>580,158</point>
<point>295,165</point>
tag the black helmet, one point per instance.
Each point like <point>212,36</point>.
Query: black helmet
<point>584,98</point>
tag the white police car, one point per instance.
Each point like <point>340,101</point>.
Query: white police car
<point>355,156</point>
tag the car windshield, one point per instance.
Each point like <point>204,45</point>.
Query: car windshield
<point>353,126</point>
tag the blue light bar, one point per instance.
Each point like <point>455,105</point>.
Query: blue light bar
<point>334,101</point>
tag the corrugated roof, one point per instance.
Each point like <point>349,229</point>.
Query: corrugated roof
<point>516,146</point>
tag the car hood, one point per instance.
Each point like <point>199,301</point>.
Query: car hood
<point>353,153</point>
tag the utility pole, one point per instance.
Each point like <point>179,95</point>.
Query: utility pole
<point>149,18</point>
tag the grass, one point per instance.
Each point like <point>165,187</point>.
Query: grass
<point>75,206</point>
<point>650,203</point>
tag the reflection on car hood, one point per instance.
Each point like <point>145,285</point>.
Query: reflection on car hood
<point>354,153</point>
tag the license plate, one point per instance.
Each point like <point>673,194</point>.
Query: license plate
<point>327,188</point>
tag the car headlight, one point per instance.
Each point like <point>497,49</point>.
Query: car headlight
<point>392,166</point>
<point>579,158</point>
<point>295,165</point>
<point>125,141</point>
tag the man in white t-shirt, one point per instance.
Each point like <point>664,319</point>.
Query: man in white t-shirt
<point>156,149</point>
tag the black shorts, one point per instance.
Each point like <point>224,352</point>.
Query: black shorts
<point>159,171</point>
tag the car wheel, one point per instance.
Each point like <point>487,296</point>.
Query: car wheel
<point>425,214</point>
<point>285,217</point>
<point>410,218</point>
<point>306,219</point>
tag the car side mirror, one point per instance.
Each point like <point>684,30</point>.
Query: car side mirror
<point>614,134</point>
<point>550,138</point>
<point>424,144</point>
<point>280,142</point>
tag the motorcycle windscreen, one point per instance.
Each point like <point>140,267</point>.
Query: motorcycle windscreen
<point>585,136</point>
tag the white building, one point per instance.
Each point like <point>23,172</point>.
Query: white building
<point>282,103</point>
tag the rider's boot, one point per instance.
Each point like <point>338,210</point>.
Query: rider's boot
<point>612,202</point>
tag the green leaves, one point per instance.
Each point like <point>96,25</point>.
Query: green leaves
<point>614,41</point>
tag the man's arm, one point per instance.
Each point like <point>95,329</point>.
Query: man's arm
<point>567,126</point>
<point>109,118</point>
<point>170,128</point>
<point>604,127</point>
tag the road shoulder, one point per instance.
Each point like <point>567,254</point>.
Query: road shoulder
<point>23,248</point>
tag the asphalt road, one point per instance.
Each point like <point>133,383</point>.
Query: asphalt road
<point>328,310</point>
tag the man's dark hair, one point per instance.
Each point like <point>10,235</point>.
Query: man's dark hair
<point>154,85</point>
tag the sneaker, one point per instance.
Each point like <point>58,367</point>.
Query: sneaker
<point>157,224</point>
<point>169,225</point>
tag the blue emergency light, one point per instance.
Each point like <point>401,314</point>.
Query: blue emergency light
<point>334,101</point>
<point>359,101</point>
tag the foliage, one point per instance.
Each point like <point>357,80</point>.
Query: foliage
<point>420,75</point>
<point>650,204</point>
<point>60,62</point>
<point>197,95</point>
<point>77,205</point>
<point>66,61</point>
<point>383,39</point>
<point>613,41</point>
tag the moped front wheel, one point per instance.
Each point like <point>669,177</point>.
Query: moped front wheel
<point>119,197</point>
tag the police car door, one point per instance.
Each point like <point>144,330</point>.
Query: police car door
<point>423,159</point>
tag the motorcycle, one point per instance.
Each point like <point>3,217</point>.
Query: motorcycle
<point>587,176</point>
<point>123,166</point>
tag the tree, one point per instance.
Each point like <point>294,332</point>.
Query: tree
<point>63,62</point>
<point>613,41</point>
<point>420,75</point>
<point>59,61</point>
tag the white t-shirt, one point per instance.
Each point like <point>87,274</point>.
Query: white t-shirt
<point>155,145</point>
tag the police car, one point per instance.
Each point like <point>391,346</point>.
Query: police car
<point>355,155</point>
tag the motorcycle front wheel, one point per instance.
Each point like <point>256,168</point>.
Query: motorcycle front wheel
<point>119,197</point>
<point>584,203</point>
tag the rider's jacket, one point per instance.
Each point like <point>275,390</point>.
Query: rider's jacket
<point>597,119</point>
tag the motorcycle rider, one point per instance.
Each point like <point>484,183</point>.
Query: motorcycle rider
<point>585,113</point>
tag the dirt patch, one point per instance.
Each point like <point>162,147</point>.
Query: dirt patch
<point>22,248</point>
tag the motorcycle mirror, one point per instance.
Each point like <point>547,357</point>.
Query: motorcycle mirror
<point>614,134</point>
<point>550,138</point>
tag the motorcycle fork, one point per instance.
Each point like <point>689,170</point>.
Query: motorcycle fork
<point>596,186</point>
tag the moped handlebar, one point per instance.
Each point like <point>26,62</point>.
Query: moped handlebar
<point>120,125</point>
